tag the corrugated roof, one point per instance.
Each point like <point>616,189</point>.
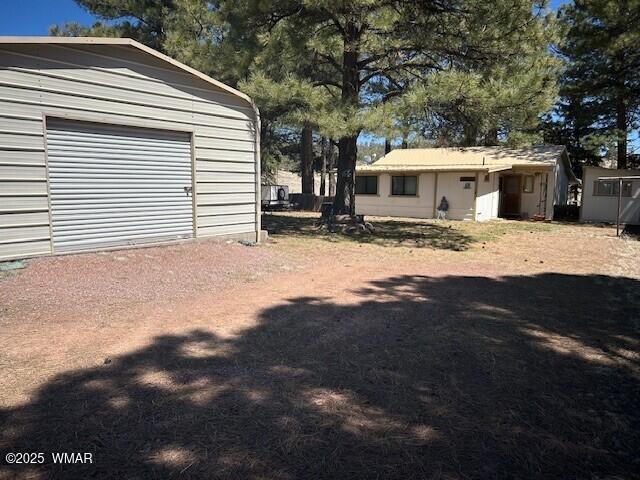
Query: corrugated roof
<point>432,168</point>
<point>470,158</point>
<point>125,42</point>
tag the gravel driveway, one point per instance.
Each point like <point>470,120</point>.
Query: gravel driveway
<point>515,357</point>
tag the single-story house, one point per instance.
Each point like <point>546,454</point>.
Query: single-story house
<point>106,143</point>
<point>479,183</point>
<point>600,197</point>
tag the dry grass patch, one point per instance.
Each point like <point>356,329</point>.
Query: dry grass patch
<point>401,232</point>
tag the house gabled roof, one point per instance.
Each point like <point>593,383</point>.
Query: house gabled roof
<point>484,159</point>
<point>130,43</point>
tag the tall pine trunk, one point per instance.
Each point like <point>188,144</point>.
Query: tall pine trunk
<point>387,146</point>
<point>470,133</point>
<point>491,138</point>
<point>307,159</point>
<point>405,143</point>
<point>621,127</point>
<point>347,146</point>
<point>345,196</point>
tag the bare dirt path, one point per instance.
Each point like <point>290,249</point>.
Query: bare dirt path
<point>517,356</point>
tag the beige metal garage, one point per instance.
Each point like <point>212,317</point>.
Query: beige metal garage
<point>107,143</point>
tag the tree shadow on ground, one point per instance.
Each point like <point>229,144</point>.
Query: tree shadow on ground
<point>398,233</point>
<point>424,377</point>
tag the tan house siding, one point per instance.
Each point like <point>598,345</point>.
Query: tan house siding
<point>385,204</point>
<point>595,208</point>
<point>461,201</point>
<point>120,85</point>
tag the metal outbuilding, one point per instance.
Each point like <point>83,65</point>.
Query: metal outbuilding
<point>610,196</point>
<point>105,143</point>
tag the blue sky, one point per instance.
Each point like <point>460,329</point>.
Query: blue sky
<point>34,17</point>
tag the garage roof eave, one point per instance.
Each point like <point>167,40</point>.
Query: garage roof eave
<point>127,42</point>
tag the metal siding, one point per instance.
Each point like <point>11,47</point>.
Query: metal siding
<point>31,81</point>
<point>24,249</point>
<point>21,124</point>
<point>226,229</point>
<point>22,172</point>
<point>24,234</point>
<point>24,219</point>
<point>205,124</point>
<point>237,167</point>
<point>214,210</point>
<point>214,154</point>
<point>21,157</point>
<point>94,205</point>
<point>121,86</point>
<point>226,177</point>
<point>22,203</point>
<point>136,69</point>
<point>217,220</point>
<point>224,199</point>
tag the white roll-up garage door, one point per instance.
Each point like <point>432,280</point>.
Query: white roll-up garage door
<point>116,186</point>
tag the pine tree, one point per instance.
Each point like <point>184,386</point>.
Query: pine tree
<point>600,87</point>
<point>340,68</point>
<point>358,45</point>
<point>142,20</point>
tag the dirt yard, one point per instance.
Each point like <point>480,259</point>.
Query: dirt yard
<point>428,350</point>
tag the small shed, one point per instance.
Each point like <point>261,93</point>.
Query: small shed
<point>479,183</point>
<point>106,143</point>
<point>600,196</point>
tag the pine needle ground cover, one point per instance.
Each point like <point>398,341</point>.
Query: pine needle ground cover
<point>309,358</point>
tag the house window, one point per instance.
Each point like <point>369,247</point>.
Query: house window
<point>527,185</point>
<point>404,185</point>
<point>610,188</point>
<point>367,185</point>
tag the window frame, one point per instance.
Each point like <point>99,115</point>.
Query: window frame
<point>524,183</point>
<point>403,194</point>
<point>366,177</point>
<point>627,188</point>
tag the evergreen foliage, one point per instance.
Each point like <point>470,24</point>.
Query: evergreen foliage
<point>433,72</point>
<point>600,85</point>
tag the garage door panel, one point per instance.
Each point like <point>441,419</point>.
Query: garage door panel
<point>109,166</point>
<point>97,229</point>
<point>76,244</point>
<point>114,210</point>
<point>117,186</point>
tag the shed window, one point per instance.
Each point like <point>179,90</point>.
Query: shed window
<point>527,185</point>
<point>610,188</point>
<point>367,185</point>
<point>404,185</point>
